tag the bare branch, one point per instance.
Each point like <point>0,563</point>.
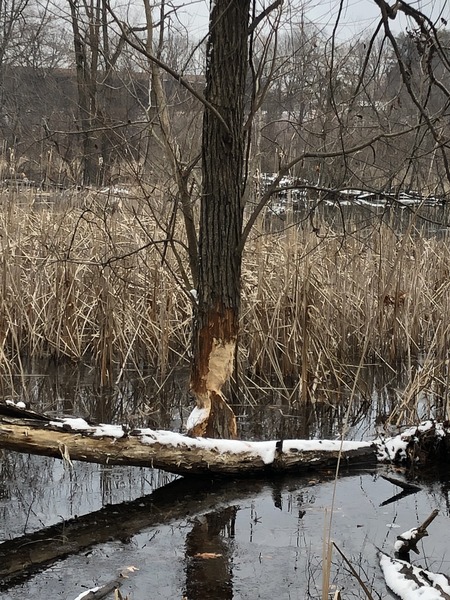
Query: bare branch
<point>254,24</point>
<point>139,47</point>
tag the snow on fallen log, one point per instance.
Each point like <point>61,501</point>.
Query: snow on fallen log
<point>413,583</point>
<point>419,445</point>
<point>76,439</point>
<point>407,581</point>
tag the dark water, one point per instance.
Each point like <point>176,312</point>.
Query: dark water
<point>238,540</point>
<point>350,218</point>
<point>235,540</point>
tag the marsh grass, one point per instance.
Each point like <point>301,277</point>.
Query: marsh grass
<point>91,277</point>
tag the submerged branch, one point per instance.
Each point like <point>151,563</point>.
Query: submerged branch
<point>98,593</point>
<point>407,541</point>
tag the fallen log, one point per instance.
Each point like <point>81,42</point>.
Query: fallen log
<point>75,439</point>
<point>70,439</point>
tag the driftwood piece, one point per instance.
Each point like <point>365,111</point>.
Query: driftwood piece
<point>74,439</point>
<point>407,541</point>
<point>104,590</point>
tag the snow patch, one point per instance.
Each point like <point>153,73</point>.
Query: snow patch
<point>78,424</point>
<point>404,537</point>
<point>197,416</point>
<point>322,445</point>
<point>115,431</point>
<point>412,583</point>
<point>18,404</point>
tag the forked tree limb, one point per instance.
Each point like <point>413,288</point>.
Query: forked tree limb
<point>407,542</point>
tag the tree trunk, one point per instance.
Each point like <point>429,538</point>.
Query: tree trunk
<point>86,72</point>
<point>217,312</point>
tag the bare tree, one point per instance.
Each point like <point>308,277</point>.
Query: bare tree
<point>97,48</point>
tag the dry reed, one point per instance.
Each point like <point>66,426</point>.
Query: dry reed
<point>90,277</point>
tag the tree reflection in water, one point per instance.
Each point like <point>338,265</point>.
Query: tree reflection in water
<point>209,549</point>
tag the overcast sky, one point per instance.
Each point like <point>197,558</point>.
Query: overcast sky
<point>358,16</point>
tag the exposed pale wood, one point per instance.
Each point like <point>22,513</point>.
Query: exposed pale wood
<point>188,457</point>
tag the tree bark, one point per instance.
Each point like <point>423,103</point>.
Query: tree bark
<point>217,312</point>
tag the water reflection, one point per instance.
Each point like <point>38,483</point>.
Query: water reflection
<point>263,412</point>
<point>209,550</point>
<point>140,399</point>
<point>36,491</point>
<point>241,539</point>
<point>348,218</point>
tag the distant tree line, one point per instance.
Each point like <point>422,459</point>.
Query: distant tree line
<point>80,102</point>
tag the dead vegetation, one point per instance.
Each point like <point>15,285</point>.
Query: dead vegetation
<point>96,277</point>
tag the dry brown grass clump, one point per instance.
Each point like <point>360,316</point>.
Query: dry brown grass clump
<point>84,279</point>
